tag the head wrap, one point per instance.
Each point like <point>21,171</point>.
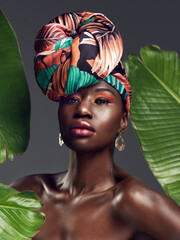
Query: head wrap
<point>77,50</point>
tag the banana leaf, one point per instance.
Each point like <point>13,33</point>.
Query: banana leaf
<point>155,112</point>
<point>14,95</point>
<point>18,219</point>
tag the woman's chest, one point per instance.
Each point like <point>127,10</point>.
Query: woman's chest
<point>90,219</point>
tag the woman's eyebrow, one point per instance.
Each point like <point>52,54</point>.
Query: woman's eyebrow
<point>104,90</point>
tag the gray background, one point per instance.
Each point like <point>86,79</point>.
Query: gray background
<point>139,22</point>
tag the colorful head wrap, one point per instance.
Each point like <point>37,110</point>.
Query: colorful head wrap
<point>77,50</point>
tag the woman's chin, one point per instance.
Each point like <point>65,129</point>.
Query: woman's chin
<point>80,144</point>
<point>86,144</point>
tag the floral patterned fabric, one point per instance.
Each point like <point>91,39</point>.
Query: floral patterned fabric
<point>77,50</point>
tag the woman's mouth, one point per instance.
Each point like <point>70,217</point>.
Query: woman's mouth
<point>81,128</point>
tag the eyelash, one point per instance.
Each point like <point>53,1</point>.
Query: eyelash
<point>70,100</point>
<point>102,101</point>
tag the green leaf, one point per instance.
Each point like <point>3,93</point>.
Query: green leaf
<point>17,217</point>
<point>14,95</point>
<point>155,112</point>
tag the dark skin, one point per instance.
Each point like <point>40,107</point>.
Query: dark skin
<point>95,199</point>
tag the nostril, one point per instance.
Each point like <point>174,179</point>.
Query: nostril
<point>78,115</point>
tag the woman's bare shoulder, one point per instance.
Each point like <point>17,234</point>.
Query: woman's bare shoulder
<point>137,194</point>
<point>36,182</point>
<point>131,186</point>
<point>148,211</point>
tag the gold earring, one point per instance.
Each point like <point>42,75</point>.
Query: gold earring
<point>118,147</point>
<point>61,142</point>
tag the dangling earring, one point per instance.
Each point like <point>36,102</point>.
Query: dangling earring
<point>61,142</point>
<point>118,147</point>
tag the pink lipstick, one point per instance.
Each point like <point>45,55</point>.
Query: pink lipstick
<point>81,128</point>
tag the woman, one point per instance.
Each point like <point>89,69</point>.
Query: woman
<point>78,64</point>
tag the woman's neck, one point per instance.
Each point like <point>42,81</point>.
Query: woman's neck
<point>89,172</point>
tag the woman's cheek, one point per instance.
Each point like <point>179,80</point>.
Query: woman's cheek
<point>110,122</point>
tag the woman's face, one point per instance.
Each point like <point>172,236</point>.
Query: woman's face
<point>90,119</point>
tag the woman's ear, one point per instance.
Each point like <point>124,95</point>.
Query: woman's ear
<point>123,122</point>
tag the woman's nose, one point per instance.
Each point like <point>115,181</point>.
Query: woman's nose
<point>83,109</point>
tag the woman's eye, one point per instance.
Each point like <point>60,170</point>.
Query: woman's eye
<point>70,100</point>
<point>102,101</point>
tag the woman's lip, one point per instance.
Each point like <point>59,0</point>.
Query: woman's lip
<point>81,125</point>
<point>81,132</point>
<point>81,128</point>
